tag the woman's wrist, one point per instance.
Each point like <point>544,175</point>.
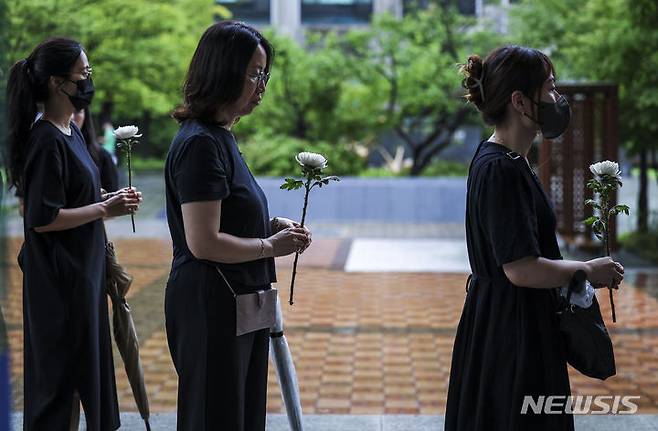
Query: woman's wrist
<point>261,251</point>
<point>101,209</point>
<point>587,267</point>
<point>268,248</point>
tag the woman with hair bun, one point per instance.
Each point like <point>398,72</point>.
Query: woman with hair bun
<point>507,344</point>
<point>67,345</point>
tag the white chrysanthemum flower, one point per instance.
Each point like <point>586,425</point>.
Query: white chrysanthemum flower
<point>311,160</point>
<point>127,132</point>
<point>606,168</point>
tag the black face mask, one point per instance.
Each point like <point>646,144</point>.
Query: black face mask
<point>84,95</point>
<point>553,118</point>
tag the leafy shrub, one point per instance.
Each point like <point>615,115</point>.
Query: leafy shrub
<point>275,155</point>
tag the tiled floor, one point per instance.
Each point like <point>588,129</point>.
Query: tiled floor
<point>363,343</point>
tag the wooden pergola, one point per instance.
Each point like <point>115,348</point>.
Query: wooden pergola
<point>592,136</point>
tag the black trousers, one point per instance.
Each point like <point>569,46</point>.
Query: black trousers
<point>222,378</point>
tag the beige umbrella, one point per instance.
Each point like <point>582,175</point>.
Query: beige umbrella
<point>125,336</point>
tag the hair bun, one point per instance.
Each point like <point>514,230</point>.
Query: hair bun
<point>472,81</point>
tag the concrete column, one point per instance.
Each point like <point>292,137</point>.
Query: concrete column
<point>479,8</point>
<point>393,7</point>
<point>504,19</point>
<point>286,18</point>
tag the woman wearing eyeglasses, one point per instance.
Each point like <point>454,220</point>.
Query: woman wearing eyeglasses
<point>224,241</point>
<point>66,329</point>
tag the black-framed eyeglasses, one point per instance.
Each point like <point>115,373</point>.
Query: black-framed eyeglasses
<point>259,77</point>
<point>86,72</point>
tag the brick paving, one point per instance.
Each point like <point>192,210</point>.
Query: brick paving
<point>363,343</point>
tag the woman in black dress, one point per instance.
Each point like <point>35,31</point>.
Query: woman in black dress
<point>65,320</point>
<point>218,219</point>
<point>507,344</point>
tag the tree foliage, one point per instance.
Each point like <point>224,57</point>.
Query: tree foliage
<point>605,40</point>
<point>410,64</point>
<point>311,95</point>
<point>139,49</point>
<point>396,75</point>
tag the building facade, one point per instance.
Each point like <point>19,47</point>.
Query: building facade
<point>294,17</point>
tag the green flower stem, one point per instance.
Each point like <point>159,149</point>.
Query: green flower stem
<point>127,145</point>
<point>307,188</point>
<point>606,242</point>
<point>130,182</point>
<point>603,185</point>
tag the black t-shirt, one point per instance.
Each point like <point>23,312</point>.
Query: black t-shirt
<point>204,164</point>
<point>107,169</point>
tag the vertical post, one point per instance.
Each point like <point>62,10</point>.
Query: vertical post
<point>504,16</point>
<point>394,7</point>
<point>479,8</point>
<point>567,181</point>
<point>286,18</point>
<point>588,154</point>
<point>610,150</point>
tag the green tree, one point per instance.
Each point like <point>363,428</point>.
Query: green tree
<point>311,104</point>
<point>410,68</point>
<point>139,49</point>
<point>273,155</point>
<point>4,72</point>
<point>4,67</point>
<point>607,40</point>
<point>350,88</point>
<point>311,95</point>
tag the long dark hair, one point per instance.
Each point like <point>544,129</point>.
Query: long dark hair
<point>88,130</point>
<point>28,85</point>
<point>216,76</point>
<point>491,82</point>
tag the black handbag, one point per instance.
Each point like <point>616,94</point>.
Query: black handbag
<point>586,340</point>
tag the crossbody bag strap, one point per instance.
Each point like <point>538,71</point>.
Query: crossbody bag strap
<point>468,282</point>
<point>226,281</point>
<point>477,151</point>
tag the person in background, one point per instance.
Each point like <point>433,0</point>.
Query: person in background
<point>110,141</point>
<point>103,159</point>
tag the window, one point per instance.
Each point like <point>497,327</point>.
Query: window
<point>336,11</point>
<point>249,11</point>
<point>465,7</point>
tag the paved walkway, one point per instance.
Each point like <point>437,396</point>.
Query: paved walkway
<point>278,422</point>
<point>365,342</point>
